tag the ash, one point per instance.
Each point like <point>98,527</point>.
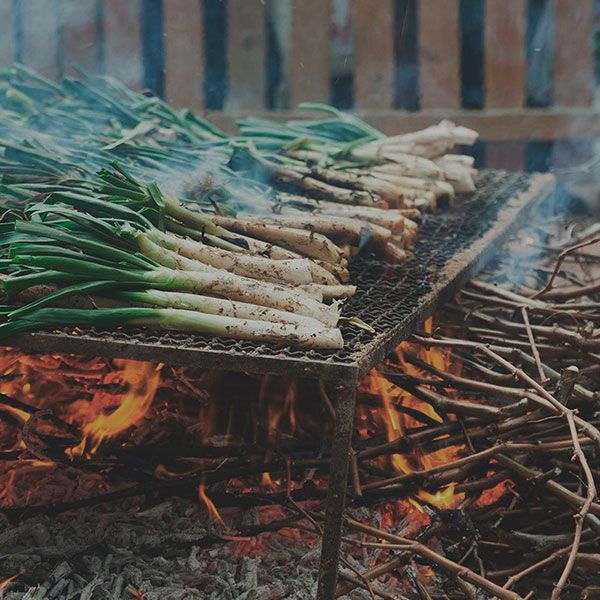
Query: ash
<point>130,551</point>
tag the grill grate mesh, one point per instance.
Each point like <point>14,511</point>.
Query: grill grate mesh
<point>391,298</point>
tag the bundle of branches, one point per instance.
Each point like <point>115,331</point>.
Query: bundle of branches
<point>53,133</point>
<point>141,248</point>
<point>516,388</point>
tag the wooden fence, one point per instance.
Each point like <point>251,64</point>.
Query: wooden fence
<point>51,34</point>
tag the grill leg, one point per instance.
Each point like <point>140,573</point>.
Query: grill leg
<point>344,400</point>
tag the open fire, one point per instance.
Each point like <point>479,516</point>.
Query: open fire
<point>67,412</point>
<point>73,425</point>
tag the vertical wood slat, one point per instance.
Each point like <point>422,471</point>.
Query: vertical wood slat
<point>439,54</point>
<point>7,34</point>
<point>184,53</point>
<point>247,53</point>
<point>40,37</point>
<point>505,23</point>
<point>123,41</point>
<point>374,54</point>
<point>505,155</point>
<point>79,24</point>
<point>573,53</point>
<point>309,57</point>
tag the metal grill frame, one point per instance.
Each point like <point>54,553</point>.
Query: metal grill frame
<point>394,295</point>
<point>451,247</point>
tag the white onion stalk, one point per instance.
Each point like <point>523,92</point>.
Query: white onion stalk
<point>331,292</point>
<point>410,165</point>
<point>218,306</point>
<point>444,131</point>
<point>178,320</point>
<point>313,245</point>
<point>244,329</point>
<point>216,283</point>
<point>463,159</point>
<point>342,228</point>
<point>234,287</point>
<point>295,272</point>
<point>172,260</point>
<point>384,217</point>
<point>438,187</point>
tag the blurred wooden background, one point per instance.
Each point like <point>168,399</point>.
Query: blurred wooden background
<point>519,71</point>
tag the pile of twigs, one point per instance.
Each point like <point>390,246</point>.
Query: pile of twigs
<point>530,369</point>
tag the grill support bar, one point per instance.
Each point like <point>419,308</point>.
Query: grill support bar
<point>344,399</point>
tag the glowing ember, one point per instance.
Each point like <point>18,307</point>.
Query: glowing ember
<point>5,582</point>
<point>494,494</point>
<point>136,593</point>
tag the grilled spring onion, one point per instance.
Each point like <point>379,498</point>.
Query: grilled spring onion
<point>293,271</point>
<point>177,320</point>
<point>218,283</point>
<point>145,237</point>
<point>215,306</point>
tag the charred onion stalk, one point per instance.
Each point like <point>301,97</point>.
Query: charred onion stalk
<point>340,158</point>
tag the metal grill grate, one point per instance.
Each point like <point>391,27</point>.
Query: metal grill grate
<point>451,246</point>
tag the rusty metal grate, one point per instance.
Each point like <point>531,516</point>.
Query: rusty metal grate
<point>452,245</point>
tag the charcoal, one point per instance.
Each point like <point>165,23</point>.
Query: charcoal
<point>88,590</point>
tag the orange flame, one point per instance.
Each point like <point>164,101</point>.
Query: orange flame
<point>141,380</point>
<point>17,412</point>
<point>266,480</point>
<point>213,513</point>
<point>396,422</point>
<point>277,399</point>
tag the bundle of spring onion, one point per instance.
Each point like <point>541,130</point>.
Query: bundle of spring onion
<point>333,169</point>
<point>251,235</point>
<point>122,249</point>
<point>342,158</point>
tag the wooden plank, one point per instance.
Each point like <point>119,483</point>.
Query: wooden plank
<point>374,54</point>
<point>40,42</point>
<point>79,26</point>
<point>439,54</point>
<point>505,23</point>
<point>7,34</point>
<point>573,53</point>
<point>505,155</point>
<point>184,53</point>
<point>123,41</point>
<point>309,53</point>
<point>247,53</point>
<point>493,125</point>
